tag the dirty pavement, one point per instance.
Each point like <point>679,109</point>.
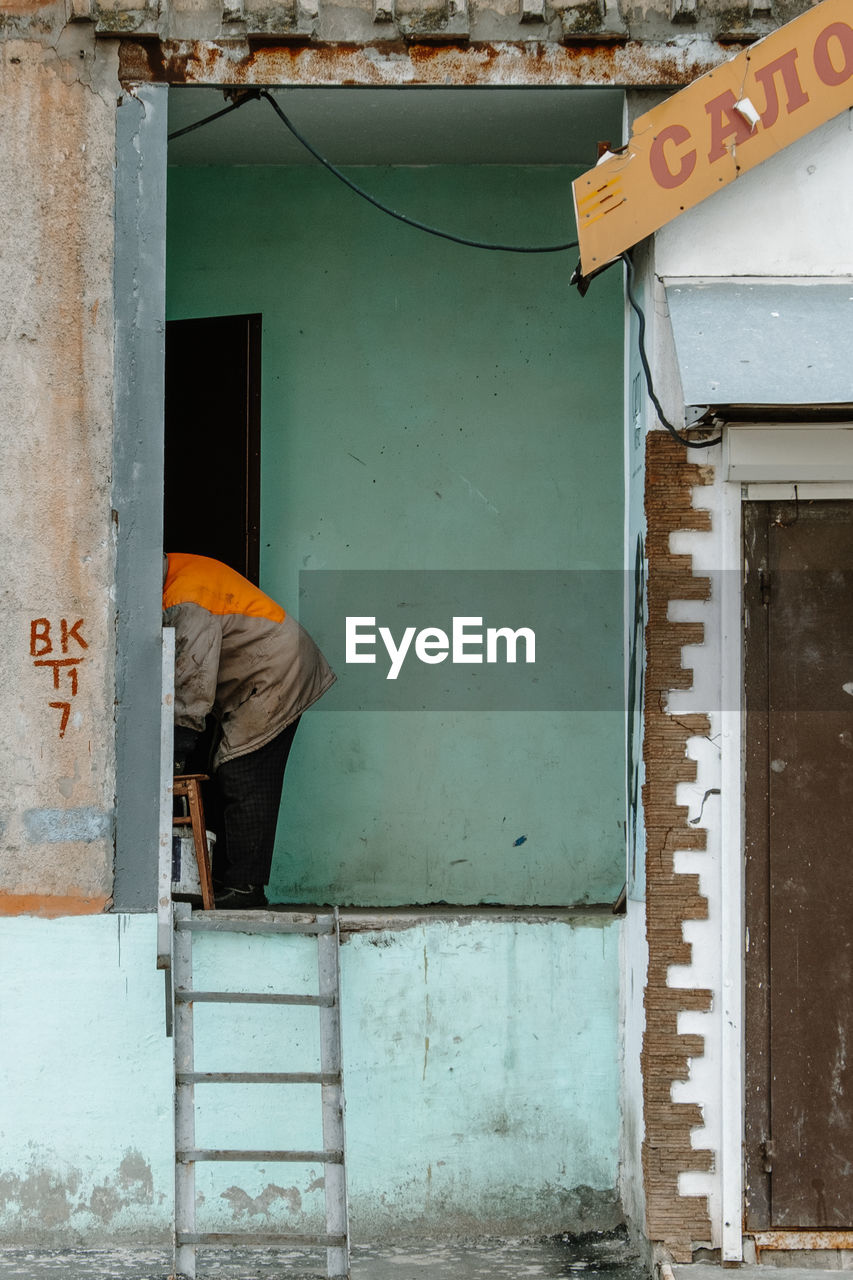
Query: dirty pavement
<point>607,1256</point>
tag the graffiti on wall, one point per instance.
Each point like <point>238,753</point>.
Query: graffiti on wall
<point>59,649</point>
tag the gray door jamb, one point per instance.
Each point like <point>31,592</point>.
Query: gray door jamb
<point>137,493</point>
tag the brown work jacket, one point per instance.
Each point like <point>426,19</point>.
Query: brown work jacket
<point>237,654</point>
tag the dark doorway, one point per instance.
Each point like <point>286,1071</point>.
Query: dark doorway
<point>799,864</point>
<point>212,439</point>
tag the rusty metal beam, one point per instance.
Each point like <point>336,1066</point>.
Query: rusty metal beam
<point>786,1240</point>
<point>633,63</point>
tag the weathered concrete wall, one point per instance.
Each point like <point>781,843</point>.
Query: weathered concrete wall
<point>56,630</point>
<point>388,22</point>
<point>87,1151</point>
<point>481,1068</point>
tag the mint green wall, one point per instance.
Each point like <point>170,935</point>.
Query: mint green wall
<point>481,1069</point>
<point>426,406</point>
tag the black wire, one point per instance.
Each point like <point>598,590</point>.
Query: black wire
<point>401,217</point>
<point>472,244</point>
<point>641,342</point>
<point>179,133</point>
<point>251,95</point>
<point>359,191</point>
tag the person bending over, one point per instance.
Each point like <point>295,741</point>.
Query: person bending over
<point>242,660</point>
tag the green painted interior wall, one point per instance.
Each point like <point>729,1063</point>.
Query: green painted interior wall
<point>429,406</point>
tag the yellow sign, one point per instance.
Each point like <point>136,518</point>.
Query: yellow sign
<point>720,126</point>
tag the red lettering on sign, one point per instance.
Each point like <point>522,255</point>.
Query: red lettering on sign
<point>722,110</point>
<point>795,95</point>
<point>40,641</point>
<point>661,172</point>
<point>823,63</point>
<point>68,633</point>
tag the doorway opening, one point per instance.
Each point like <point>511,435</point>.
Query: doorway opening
<point>212,440</point>
<point>425,406</point>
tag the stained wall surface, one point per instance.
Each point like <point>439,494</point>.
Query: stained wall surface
<point>56,626</point>
<point>481,1067</point>
<point>428,406</point>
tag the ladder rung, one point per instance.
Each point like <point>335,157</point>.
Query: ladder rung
<point>261,1239</point>
<point>256,922</point>
<point>290,1157</point>
<point>251,997</point>
<point>258,1077</point>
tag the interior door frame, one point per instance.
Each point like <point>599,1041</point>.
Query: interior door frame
<point>733,813</point>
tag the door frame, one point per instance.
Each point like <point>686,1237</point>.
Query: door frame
<point>139,303</point>
<point>736,491</point>
<point>732,723</point>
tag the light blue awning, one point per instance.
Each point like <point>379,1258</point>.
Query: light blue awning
<point>757,343</point>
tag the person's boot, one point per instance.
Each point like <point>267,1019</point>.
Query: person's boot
<point>250,897</point>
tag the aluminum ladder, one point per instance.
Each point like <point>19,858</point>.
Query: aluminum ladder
<point>325,927</point>
<point>176,925</point>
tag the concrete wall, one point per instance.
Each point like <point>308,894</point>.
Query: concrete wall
<point>465,1114</point>
<point>56,624</point>
<point>427,406</point>
<point>481,21</point>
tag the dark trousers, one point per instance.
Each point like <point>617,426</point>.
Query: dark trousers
<point>243,806</point>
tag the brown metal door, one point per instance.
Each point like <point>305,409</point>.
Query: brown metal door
<point>799,864</point>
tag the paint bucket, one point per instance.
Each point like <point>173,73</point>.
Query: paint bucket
<point>185,879</point>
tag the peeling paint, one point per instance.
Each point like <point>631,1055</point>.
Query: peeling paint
<point>25,6</point>
<point>672,62</point>
<point>793,1241</point>
<point>607,1255</point>
<point>244,1205</point>
<point>56,826</point>
<point>43,1199</point>
<point>51,906</point>
<point>136,1178</point>
<point>41,1192</point>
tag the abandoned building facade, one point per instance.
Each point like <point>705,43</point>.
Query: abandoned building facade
<point>596,959</point>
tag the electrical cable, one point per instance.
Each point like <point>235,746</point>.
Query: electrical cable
<point>179,133</point>
<point>365,195</point>
<point>401,217</point>
<point>252,94</point>
<point>644,360</point>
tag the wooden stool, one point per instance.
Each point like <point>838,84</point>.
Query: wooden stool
<point>187,786</point>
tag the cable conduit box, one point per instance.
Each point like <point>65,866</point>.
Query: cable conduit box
<point>774,452</point>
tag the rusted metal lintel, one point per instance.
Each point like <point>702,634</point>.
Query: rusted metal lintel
<point>632,63</point>
<point>787,1240</point>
